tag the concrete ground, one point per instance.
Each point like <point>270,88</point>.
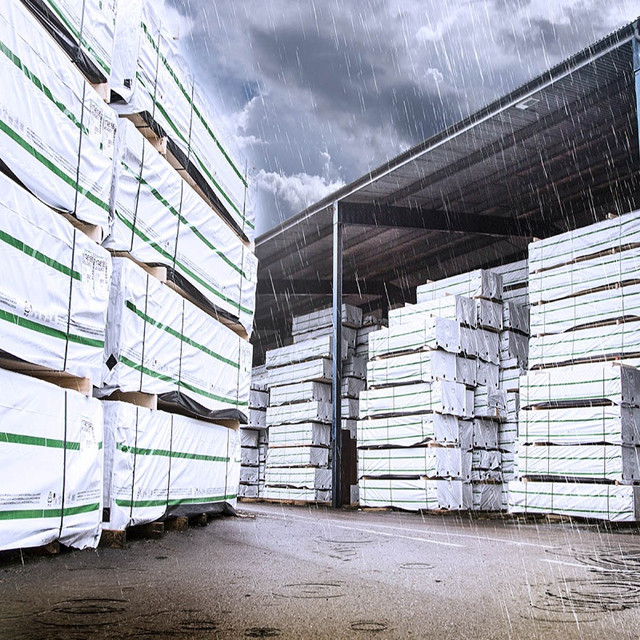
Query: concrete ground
<point>294,572</point>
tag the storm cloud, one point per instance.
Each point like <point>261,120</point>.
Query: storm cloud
<point>315,94</point>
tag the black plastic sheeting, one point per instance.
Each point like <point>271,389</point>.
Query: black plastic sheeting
<point>66,40</point>
<point>193,409</point>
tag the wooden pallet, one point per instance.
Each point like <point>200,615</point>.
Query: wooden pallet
<point>59,378</point>
<point>117,538</point>
<point>290,503</point>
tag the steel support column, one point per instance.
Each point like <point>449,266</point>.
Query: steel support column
<point>636,70</point>
<point>336,431</point>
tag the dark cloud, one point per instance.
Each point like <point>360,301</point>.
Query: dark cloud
<point>317,93</point>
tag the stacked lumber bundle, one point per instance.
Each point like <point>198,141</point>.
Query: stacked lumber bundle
<point>138,321</point>
<point>578,444</point>
<point>435,414</point>
<point>299,416</point>
<point>254,437</point>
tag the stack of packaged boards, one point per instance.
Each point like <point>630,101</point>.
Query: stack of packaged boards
<point>182,297</point>
<point>578,445</point>
<point>430,423</point>
<point>67,320</point>
<point>161,465</point>
<point>56,140</point>
<point>514,353</point>
<point>299,416</point>
<point>149,77</point>
<point>254,437</point>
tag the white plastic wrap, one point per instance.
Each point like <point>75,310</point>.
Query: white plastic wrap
<point>258,399</point>
<point>487,373</point>
<point>584,425</point>
<point>54,287</point>
<point>490,403</point>
<point>249,475</point>
<point>300,494</point>
<point>415,495</point>
<point>257,419</point>
<point>429,462</point>
<point>351,317</point>
<point>51,465</point>
<point>306,434</point>
<point>249,438</point>
<point>486,466</point>
<point>248,491</point>
<point>311,371</point>
<point>56,134</point>
<point>580,243</point>
<point>354,367</point>
<point>299,477</point>
<point>300,392</point>
<point>485,433</point>
<point>598,462</point>
<point>488,348</point>
<point>440,396</point>
<point>457,308</point>
<point>408,431</point>
<point>514,274</point>
<point>507,435</point>
<point>298,457</point>
<point>489,314</point>
<point>578,278</point>
<point>349,337</point>
<point>259,376</point>
<point>85,29</point>
<point>514,350</point>
<point>350,408</point>
<point>581,384</point>
<point>421,366</point>
<point>418,335</point>
<point>137,464</point>
<point>249,457</point>
<point>487,497</point>
<point>205,467</point>
<point>312,411</point>
<point>516,317</point>
<point>473,284</point>
<point>617,503</point>
<point>158,342</point>
<point>159,219</point>
<point>351,387</point>
<point>509,379</point>
<point>601,306</point>
<point>313,349</point>
<point>161,88</point>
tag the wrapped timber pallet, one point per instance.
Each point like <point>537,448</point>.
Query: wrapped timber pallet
<point>158,465</point>
<point>254,439</point>
<point>51,454</point>
<point>437,396</point>
<point>159,343</point>
<point>84,29</point>
<point>159,219</point>
<point>56,134</point>
<point>578,416</point>
<point>149,75</point>
<point>55,283</point>
<point>300,413</point>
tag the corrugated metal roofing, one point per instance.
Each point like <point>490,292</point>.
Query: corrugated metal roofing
<point>566,160</point>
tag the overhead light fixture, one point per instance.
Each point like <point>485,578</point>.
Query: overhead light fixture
<point>525,104</point>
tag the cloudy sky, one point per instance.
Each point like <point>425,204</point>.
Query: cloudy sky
<point>314,94</point>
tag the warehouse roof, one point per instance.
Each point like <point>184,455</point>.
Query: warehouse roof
<point>558,152</point>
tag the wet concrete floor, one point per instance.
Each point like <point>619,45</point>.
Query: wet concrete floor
<point>293,572</point>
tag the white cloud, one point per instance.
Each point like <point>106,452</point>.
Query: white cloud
<point>299,190</point>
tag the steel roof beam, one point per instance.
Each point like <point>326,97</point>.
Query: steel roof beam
<point>371,215</point>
